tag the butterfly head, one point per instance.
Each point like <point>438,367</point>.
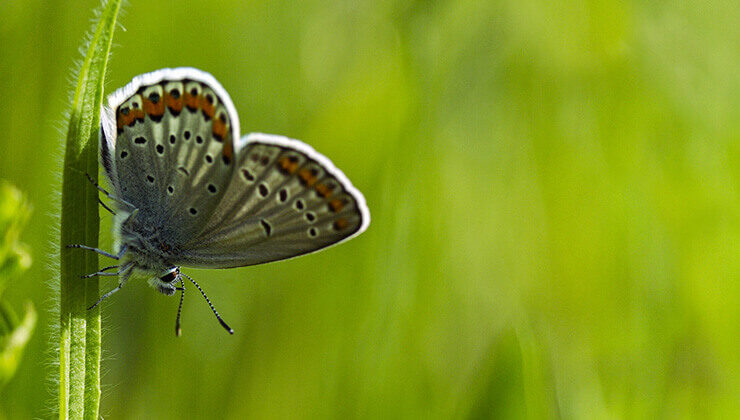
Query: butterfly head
<point>166,281</point>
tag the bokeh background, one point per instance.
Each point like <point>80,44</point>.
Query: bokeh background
<point>554,191</point>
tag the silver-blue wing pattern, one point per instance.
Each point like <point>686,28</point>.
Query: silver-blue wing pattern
<point>172,152</point>
<point>284,200</point>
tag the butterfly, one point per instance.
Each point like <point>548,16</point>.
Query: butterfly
<point>188,191</point>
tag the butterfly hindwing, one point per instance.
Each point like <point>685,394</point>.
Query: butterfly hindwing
<point>284,200</point>
<point>168,148</point>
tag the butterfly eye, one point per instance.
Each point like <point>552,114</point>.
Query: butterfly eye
<point>170,276</point>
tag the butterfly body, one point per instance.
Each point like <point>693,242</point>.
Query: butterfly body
<point>191,192</point>
<point>143,245</point>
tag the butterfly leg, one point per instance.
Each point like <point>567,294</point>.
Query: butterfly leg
<point>100,251</point>
<point>106,207</point>
<point>105,192</point>
<point>125,273</point>
<point>102,272</point>
<point>109,195</point>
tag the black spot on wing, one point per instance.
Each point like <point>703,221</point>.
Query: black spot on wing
<point>266,226</point>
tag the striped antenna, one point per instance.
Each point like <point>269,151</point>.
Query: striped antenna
<point>223,323</point>
<point>178,330</point>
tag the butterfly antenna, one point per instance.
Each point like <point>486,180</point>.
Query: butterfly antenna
<point>178,330</point>
<point>223,323</point>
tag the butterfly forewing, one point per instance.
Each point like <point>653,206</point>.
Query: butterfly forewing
<point>284,200</point>
<point>173,149</point>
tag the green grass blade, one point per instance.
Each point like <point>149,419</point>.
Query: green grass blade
<point>79,339</point>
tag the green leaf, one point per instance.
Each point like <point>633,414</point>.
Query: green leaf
<point>14,341</point>
<point>14,258</point>
<point>79,339</point>
<point>14,212</point>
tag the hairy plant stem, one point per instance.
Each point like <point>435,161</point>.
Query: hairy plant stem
<point>79,338</point>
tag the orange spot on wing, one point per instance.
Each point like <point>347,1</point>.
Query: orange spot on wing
<point>172,103</point>
<point>323,190</point>
<point>121,120</point>
<point>219,129</point>
<point>307,178</point>
<point>208,109</point>
<point>287,165</point>
<point>136,114</point>
<point>125,118</point>
<point>153,109</point>
<point>228,151</point>
<point>341,223</point>
<point>191,101</point>
<point>336,205</point>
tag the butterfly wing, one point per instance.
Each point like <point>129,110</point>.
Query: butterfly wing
<point>167,145</point>
<point>284,200</point>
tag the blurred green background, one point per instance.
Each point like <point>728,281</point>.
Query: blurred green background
<point>554,191</point>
